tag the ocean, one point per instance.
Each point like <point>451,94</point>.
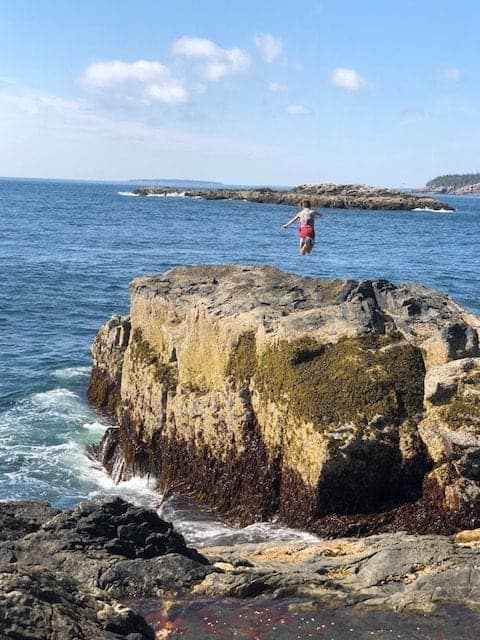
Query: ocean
<point>67,253</point>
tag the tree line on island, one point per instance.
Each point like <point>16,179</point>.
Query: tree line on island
<point>454,181</point>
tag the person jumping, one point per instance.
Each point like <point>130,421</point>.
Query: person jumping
<point>306,230</point>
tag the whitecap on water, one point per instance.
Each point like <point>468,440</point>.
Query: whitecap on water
<point>128,193</point>
<point>172,194</point>
<point>69,373</point>
<point>201,527</point>
<point>434,210</point>
<point>141,490</point>
<point>94,426</point>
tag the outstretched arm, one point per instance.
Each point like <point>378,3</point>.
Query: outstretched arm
<point>290,222</point>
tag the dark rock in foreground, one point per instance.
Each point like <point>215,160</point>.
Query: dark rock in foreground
<point>350,196</point>
<point>62,580</point>
<point>66,580</point>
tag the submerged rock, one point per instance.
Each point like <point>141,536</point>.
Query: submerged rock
<point>321,402</point>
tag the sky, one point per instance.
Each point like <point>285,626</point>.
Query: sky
<point>252,92</point>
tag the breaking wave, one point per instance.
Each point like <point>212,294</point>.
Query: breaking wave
<point>434,210</point>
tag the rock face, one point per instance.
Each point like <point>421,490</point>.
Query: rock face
<point>60,579</point>
<point>346,196</point>
<point>341,406</point>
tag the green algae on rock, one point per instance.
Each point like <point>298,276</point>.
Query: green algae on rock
<point>344,382</point>
<point>268,394</point>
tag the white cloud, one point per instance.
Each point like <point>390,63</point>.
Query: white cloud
<point>142,81</point>
<point>269,46</point>
<point>276,87</point>
<point>297,110</point>
<point>217,63</point>
<point>451,74</point>
<point>64,119</point>
<point>347,79</point>
<point>32,104</point>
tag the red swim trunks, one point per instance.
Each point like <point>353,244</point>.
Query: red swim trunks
<point>306,231</point>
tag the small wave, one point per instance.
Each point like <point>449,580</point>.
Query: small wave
<point>201,527</point>
<point>47,418</point>
<point>128,193</point>
<point>173,194</point>
<point>94,426</point>
<point>60,399</point>
<point>71,372</point>
<point>434,210</point>
<point>141,490</point>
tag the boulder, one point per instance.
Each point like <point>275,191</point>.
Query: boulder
<point>61,573</point>
<point>97,536</point>
<point>268,394</point>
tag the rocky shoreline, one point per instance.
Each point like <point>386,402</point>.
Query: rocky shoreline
<point>321,195</point>
<point>467,190</point>
<point>70,575</point>
<point>349,408</point>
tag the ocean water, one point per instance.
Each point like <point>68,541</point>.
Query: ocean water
<point>67,254</point>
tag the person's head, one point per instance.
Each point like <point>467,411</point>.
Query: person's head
<point>306,204</point>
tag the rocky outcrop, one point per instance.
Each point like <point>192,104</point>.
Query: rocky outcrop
<point>342,406</point>
<point>65,578</point>
<point>345,196</point>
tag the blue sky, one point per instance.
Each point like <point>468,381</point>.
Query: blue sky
<point>381,92</point>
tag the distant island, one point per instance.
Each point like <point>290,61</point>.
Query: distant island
<point>455,183</point>
<point>347,196</point>
<point>176,182</point>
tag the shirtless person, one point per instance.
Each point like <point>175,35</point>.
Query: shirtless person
<point>306,230</point>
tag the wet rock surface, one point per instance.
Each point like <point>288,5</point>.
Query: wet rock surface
<point>65,579</point>
<point>346,407</point>
<point>349,196</point>
<point>397,571</point>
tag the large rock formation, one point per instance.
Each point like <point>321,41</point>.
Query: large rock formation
<point>268,394</point>
<point>336,196</point>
